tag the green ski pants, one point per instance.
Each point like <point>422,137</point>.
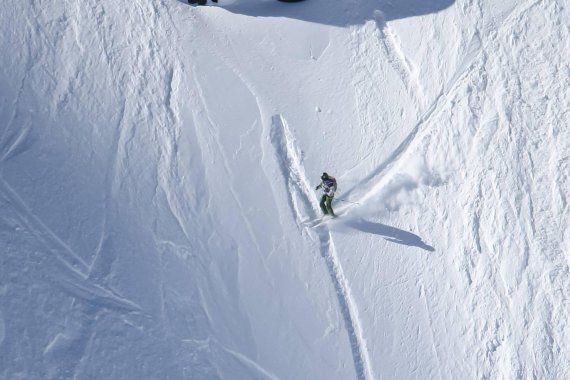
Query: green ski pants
<point>326,204</point>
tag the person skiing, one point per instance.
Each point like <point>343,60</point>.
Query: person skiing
<point>328,184</point>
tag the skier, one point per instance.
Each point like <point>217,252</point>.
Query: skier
<point>328,184</point>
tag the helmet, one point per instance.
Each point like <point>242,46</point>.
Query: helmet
<point>324,176</point>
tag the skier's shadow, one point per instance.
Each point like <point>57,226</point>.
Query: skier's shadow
<point>392,234</point>
<point>338,13</point>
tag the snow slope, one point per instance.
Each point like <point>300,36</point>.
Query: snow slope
<point>158,162</point>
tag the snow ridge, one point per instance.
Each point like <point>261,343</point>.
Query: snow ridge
<point>300,198</point>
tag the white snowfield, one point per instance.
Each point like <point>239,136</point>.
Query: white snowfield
<point>158,164</point>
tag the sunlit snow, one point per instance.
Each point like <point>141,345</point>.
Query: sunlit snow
<point>158,164</point>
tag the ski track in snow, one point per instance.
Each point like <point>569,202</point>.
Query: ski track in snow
<point>377,178</point>
<point>299,187</point>
<point>371,184</point>
<point>300,197</point>
<point>75,279</point>
<point>251,364</point>
<point>398,60</point>
<point>214,134</point>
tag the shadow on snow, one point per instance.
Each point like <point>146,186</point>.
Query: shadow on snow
<point>391,234</point>
<point>338,13</point>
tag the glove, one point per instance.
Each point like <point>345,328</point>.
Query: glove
<point>318,187</point>
<point>331,194</point>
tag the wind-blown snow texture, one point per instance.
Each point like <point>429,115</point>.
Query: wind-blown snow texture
<point>158,162</point>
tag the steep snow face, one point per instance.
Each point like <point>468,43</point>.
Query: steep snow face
<point>482,176</point>
<point>158,165</point>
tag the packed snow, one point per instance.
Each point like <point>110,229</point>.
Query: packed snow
<point>158,164</point>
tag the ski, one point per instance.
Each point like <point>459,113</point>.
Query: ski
<point>319,221</point>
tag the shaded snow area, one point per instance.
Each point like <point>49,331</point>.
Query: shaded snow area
<point>158,165</point>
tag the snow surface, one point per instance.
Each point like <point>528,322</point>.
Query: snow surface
<point>158,162</point>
